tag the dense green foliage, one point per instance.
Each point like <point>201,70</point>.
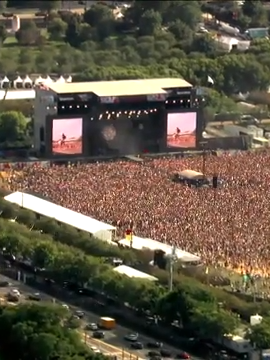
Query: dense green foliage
<point>149,39</point>
<point>37,332</point>
<point>15,130</point>
<point>203,310</point>
<point>259,335</point>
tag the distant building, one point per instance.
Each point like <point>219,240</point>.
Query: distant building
<point>227,43</point>
<point>257,33</point>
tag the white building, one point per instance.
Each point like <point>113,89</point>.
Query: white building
<point>227,43</point>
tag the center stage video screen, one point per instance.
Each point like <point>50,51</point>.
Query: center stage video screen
<point>181,130</point>
<point>67,136</point>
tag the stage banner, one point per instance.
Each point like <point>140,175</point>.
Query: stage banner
<point>109,99</point>
<point>156,97</point>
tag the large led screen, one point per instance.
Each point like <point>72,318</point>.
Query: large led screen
<point>181,130</point>
<point>67,136</point>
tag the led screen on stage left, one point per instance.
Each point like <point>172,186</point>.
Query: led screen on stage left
<point>67,136</point>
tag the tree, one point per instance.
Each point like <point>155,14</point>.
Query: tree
<point>3,33</point>
<point>57,29</point>
<point>216,322</point>
<point>12,126</point>
<point>259,335</point>
<point>187,12</point>
<point>96,14</point>
<point>49,5</point>
<point>204,44</point>
<point>28,34</point>
<point>37,332</point>
<point>250,8</point>
<point>181,31</point>
<point>3,4</point>
<point>72,35</point>
<point>102,19</point>
<point>150,23</point>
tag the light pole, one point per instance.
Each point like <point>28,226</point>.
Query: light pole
<point>203,145</point>
<point>172,259</point>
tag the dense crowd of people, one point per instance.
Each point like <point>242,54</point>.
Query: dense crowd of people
<point>228,226</point>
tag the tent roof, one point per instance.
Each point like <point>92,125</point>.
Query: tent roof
<point>57,212</point>
<point>27,79</point>
<point>133,273</point>
<point>143,244</point>
<point>121,88</point>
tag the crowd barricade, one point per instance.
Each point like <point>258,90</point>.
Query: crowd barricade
<point>8,166</point>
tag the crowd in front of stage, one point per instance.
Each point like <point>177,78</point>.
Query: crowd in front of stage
<point>228,226</point>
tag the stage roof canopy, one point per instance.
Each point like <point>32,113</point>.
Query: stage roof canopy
<point>121,87</point>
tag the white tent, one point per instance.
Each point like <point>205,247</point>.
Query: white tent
<point>18,83</point>
<point>69,79</point>
<point>48,80</point>
<point>27,82</point>
<point>39,80</point>
<point>5,83</point>
<point>61,80</point>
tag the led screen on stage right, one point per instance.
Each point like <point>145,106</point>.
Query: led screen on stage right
<point>67,136</point>
<point>181,130</point>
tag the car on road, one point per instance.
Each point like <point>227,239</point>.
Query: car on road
<point>152,353</point>
<point>91,326</point>
<point>154,345</point>
<point>132,337</point>
<point>34,297</point>
<point>95,349</point>
<point>12,297</point>
<point>98,334</point>
<point>65,306</point>
<point>80,314</point>
<point>5,284</point>
<point>249,120</point>
<point>156,357</point>
<point>165,353</point>
<point>15,292</point>
<point>137,345</point>
<point>183,355</point>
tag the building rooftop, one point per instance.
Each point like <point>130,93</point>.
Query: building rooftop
<point>120,87</point>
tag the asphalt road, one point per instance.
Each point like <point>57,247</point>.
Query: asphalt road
<point>113,343</point>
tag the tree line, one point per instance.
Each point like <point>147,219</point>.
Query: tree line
<point>37,331</point>
<point>59,253</point>
<point>154,40</point>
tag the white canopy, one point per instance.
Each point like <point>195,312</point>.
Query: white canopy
<point>5,80</point>
<point>61,80</point>
<point>27,80</point>
<point>69,79</point>
<point>39,80</point>
<point>48,80</point>
<point>18,80</point>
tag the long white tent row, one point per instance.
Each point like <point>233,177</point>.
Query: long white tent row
<point>149,244</point>
<point>27,83</point>
<point>79,221</point>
